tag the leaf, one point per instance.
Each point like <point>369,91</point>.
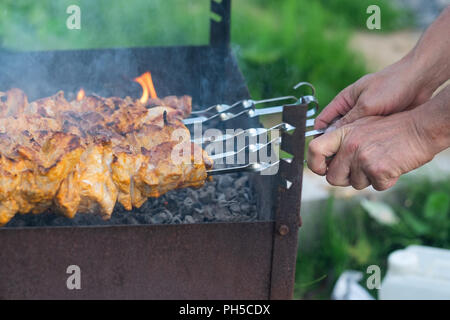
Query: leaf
<point>437,206</point>
<point>361,251</point>
<point>417,226</point>
<point>380,212</point>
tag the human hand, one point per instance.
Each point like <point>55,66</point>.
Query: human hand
<point>370,151</point>
<point>401,86</point>
<point>394,89</point>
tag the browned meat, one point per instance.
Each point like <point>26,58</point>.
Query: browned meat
<point>84,156</point>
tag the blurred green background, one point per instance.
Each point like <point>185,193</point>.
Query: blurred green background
<point>277,43</point>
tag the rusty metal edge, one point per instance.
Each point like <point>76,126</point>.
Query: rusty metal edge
<point>125,254</point>
<point>287,208</point>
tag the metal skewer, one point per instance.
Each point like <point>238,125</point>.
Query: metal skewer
<point>247,107</point>
<point>252,147</point>
<point>251,167</point>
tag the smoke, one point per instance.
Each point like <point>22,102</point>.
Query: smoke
<point>41,55</point>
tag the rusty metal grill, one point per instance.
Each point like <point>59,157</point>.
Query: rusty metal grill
<point>240,260</point>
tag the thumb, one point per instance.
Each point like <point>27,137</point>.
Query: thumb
<point>322,148</point>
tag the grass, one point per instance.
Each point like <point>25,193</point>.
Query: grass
<point>348,238</point>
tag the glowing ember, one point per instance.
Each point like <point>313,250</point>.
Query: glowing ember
<point>80,95</point>
<point>148,88</point>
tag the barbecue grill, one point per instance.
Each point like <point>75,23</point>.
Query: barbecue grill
<point>216,260</point>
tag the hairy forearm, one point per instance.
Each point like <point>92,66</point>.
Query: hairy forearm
<point>430,58</point>
<point>432,120</point>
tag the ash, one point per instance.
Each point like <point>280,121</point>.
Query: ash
<point>228,198</point>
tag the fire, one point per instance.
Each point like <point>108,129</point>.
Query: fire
<point>146,83</point>
<point>80,94</point>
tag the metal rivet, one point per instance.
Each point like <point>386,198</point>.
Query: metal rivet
<point>283,230</point>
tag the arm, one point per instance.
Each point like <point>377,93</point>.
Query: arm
<point>377,150</point>
<point>401,86</point>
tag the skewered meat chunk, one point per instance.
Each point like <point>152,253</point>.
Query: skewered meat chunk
<point>157,175</point>
<point>84,156</point>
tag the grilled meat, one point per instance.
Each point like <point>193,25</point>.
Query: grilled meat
<point>84,156</point>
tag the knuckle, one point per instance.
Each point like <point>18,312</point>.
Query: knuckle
<point>331,179</point>
<point>381,175</point>
<point>364,107</point>
<point>380,186</point>
<point>363,157</point>
<point>373,172</point>
<point>351,146</point>
<point>358,186</point>
<point>315,167</point>
<point>385,184</point>
<point>314,147</point>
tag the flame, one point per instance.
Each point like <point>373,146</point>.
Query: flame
<point>146,83</point>
<point>80,95</point>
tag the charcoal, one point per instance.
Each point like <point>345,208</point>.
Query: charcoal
<point>223,214</point>
<point>131,219</point>
<point>160,218</point>
<point>245,208</point>
<point>235,208</point>
<point>188,202</point>
<point>176,220</point>
<point>189,219</point>
<point>146,219</point>
<point>225,183</point>
<point>199,210</point>
<point>59,221</point>
<point>198,217</point>
<point>193,194</point>
<point>227,198</point>
<point>230,194</point>
<point>222,203</point>
<point>209,213</point>
<point>207,195</point>
<point>239,183</point>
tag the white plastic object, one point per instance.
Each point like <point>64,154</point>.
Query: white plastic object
<point>348,288</point>
<point>417,272</point>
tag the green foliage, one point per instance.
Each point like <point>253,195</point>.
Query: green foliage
<point>41,25</point>
<point>425,211</point>
<point>350,239</point>
<point>292,41</point>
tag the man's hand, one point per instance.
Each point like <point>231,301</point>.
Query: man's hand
<point>376,150</point>
<point>371,151</point>
<point>394,89</point>
<point>401,86</point>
